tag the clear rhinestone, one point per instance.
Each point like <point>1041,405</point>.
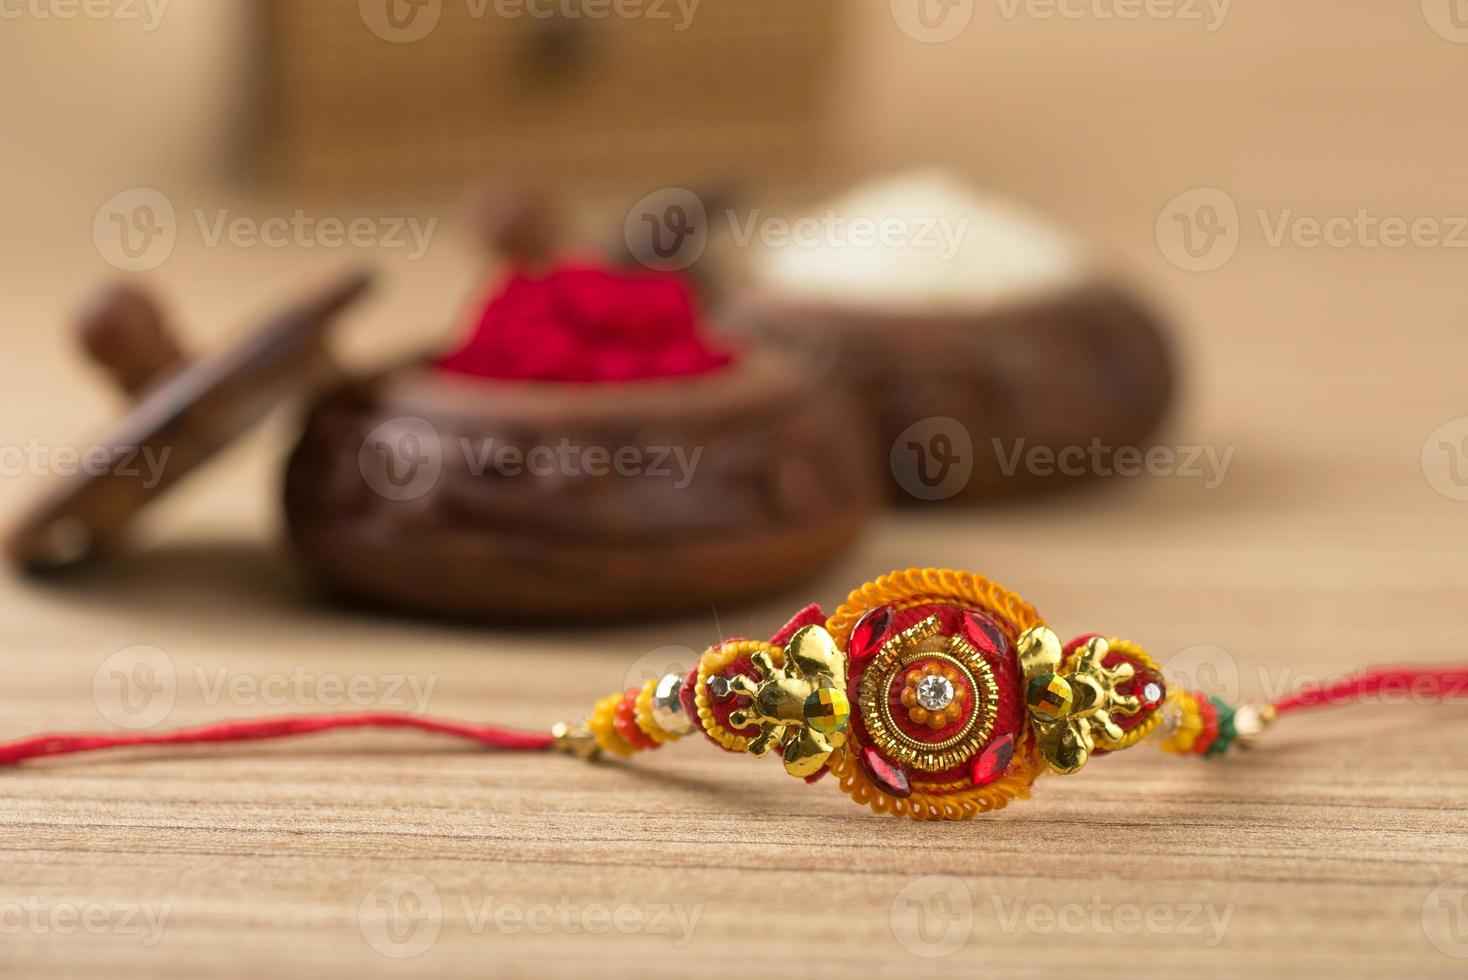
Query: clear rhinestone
<point>934,692</point>
<point>1152,693</point>
<point>719,687</point>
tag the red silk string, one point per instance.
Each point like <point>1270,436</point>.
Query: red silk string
<point>244,731</point>
<point>1431,683</point>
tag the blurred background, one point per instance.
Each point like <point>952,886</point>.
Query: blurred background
<point>1328,366</point>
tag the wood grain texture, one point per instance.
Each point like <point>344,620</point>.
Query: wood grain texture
<point>1323,549</point>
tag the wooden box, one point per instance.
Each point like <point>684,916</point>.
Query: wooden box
<point>587,96</point>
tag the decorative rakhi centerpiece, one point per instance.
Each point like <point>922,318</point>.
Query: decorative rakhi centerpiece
<point>929,693</point>
<point>932,693</point>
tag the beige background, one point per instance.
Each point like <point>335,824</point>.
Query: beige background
<point>1327,547</point>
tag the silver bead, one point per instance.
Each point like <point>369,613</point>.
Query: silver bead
<point>667,707</point>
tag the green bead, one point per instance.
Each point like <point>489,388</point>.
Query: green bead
<point>1226,730</point>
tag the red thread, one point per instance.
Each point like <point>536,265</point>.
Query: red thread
<point>1432,684</point>
<point>245,731</point>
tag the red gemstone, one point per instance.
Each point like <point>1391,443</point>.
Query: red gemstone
<point>886,774</point>
<point>984,633</point>
<point>994,760</point>
<point>869,633</point>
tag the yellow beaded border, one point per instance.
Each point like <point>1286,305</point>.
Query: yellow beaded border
<point>1147,727</point>
<point>713,660</point>
<point>1190,723</point>
<point>919,587</point>
<point>643,715</point>
<point>603,728</point>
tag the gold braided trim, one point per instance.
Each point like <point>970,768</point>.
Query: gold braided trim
<point>1147,727</point>
<point>920,586</point>
<point>603,728</point>
<point>960,805</point>
<point>643,715</point>
<point>715,659</point>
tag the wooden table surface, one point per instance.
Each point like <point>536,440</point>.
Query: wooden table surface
<point>1339,848</point>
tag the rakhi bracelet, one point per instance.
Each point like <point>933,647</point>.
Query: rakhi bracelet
<point>929,693</point>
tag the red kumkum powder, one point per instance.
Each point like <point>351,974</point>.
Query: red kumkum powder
<point>587,324</point>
